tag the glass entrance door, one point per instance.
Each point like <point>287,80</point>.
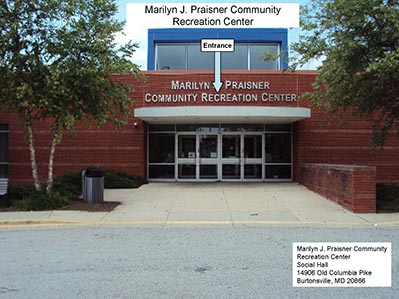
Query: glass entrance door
<point>252,159</point>
<point>186,157</point>
<point>197,157</point>
<point>242,156</point>
<point>208,158</point>
<point>231,157</point>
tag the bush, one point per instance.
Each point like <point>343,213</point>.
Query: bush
<point>69,184</point>
<point>42,201</point>
<point>388,197</point>
<point>20,191</point>
<point>121,180</point>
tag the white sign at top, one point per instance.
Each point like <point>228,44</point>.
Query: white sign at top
<point>215,15</point>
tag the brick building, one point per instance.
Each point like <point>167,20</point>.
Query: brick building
<point>256,128</point>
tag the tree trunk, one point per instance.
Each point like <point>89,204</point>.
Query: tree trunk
<point>35,174</point>
<point>56,141</point>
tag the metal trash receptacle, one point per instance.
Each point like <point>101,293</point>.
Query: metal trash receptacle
<point>93,185</point>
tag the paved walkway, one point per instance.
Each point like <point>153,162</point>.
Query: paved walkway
<point>201,204</point>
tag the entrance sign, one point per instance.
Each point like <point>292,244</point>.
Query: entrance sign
<point>216,15</point>
<point>217,45</point>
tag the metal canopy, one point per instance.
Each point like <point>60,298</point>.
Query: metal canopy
<point>222,114</point>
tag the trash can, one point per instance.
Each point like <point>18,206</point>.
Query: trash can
<point>93,185</point>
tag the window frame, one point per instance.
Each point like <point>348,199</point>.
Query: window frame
<point>7,162</point>
<point>187,44</point>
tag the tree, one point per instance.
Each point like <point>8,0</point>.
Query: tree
<point>360,43</point>
<point>56,62</point>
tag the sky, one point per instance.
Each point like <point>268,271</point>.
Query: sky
<point>140,56</point>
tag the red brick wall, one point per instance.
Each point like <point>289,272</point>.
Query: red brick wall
<point>118,149</point>
<point>125,149</point>
<point>348,143</point>
<point>353,187</point>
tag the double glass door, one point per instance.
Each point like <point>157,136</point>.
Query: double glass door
<point>213,157</point>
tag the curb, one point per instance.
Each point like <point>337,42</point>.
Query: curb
<point>47,222</point>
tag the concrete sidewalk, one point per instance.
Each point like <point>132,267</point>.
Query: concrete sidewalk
<point>201,204</point>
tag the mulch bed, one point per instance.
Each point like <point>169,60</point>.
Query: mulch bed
<point>80,205</point>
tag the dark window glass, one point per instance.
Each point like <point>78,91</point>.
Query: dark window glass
<point>161,148</point>
<point>259,51</point>
<point>3,171</point>
<point>187,128</point>
<point>161,172</point>
<point>278,148</point>
<point>171,57</point>
<point>160,128</point>
<point>213,128</point>
<point>3,127</point>
<point>208,171</point>
<point>253,146</point>
<point>253,171</point>
<point>242,128</point>
<point>237,60</point>
<point>187,146</point>
<point>208,146</point>
<point>278,127</point>
<point>278,171</point>
<point>3,147</point>
<point>197,60</point>
<point>231,146</point>
<point>187,171</point>
<point>231,171</point>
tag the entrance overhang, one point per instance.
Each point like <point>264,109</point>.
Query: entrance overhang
<point>222,114</point>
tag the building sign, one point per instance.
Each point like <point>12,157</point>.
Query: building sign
<point>215,15</point>
<point>233,91</point>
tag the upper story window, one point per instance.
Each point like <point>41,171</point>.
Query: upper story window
<point>187,56</point>
<point>3,150</point>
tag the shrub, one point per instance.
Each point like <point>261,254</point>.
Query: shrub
<point>120,180</point>
<point>69,184</point>
<point>42,201</point>
<point>388,196</point>
<point>20,191</point>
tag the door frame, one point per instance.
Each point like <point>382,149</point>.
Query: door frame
<point>241,159</point>
<point>197,159</point>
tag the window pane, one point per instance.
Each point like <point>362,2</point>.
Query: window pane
<point>253,146</point>
<point>158,128</point>
<point>278,172</point>
<point>237,60</point>
<point>208,146</point>
<point>231,171</point>
<point>278,148</point>
<point>161,172</point>
<point>256,53</point>
<point>253,171</point>
<point>198,128</point>
<point>3,171</point>
<point>198,60</point>
<point>3,147</point>
<point>171,57</point>
<point>231,146</point>
<point>162,148</point>
<point>208,171</point>
<point>186,171</point>
<point>3,127</point>
<point>187,144</point>
<point>278,127</point>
